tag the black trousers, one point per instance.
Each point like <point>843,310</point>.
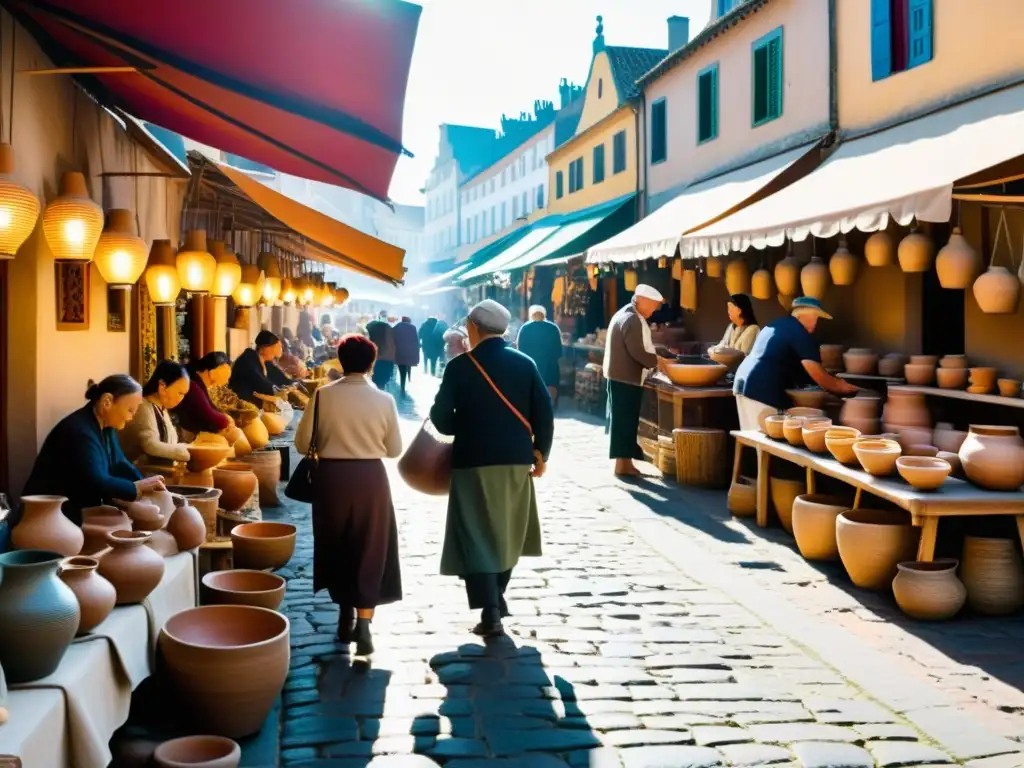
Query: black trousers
<point>430,362</point>
<point>404,375</point>
<point>487,590</point>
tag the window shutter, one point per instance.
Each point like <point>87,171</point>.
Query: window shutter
<point>760,84</point>
<point>920,30</point>
<point>881,40</point>
<point>775,76</point>
<point>714,103</point>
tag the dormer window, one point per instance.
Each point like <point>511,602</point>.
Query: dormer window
<point>600,87</point>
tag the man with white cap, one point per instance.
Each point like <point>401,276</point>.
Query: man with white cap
<point>628,354</point>
<point>541,341</point>
<point>784,355</point>
<point>494,402</point>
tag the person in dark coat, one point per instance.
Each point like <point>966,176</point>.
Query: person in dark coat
<point>431,352</point>
<point>492,509</point>
<point>541,340</point>
<point>254,376</point>
<point>407,349</point>
<point>81,458</point>
<point>381,333</point>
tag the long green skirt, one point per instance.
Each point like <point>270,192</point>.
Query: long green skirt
<point>624,401</point>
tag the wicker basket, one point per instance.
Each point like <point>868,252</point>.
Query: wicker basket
<point>701,456</point>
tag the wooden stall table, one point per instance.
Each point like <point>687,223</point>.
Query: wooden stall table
<point>689,406</point>
<point>956,498</point>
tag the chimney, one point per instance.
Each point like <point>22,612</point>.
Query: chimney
<point>678,32</point>
<point>599,36</point>
<point>564,93</point>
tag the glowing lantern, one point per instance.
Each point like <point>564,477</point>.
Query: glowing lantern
<point>228,273</point>
<point>245,294</point>
<point>196,265</point>
<point>272,272</point>
<point>162,275</point>
<point>287,291</point>
<point>72,223</point>
<point>120,253</point>
<point>327,295</point>
<point>309,292</point>
<point>19,208</point>
<point>341,296</point>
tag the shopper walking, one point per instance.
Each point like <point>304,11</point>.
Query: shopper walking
<point>432,351</point>
<point>382,335</point>
<point>541,340</point>
<point>407,350</point>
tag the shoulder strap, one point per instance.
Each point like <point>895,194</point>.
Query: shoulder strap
<point>312,452</point>
<point>498,392</point>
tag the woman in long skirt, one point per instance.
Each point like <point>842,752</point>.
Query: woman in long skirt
<point>355,537</point>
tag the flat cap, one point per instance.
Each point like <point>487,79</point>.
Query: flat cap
<point>489,315</point>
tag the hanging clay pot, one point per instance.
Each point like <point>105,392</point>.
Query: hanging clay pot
<point>713,267</point>
<point>629,281</point>
<point>957,263</point>
<point>96,596</point>
<point>761,286</point>
<point>997,291</point>
<point>186,525</point>
<point>872,541</point>
<point>44,526</point>
<point>929,591</point>
<point>737,277</point>
<point>688,290</point>
<point>786,301</point>
<point>133,568</point>
<point>787,276</point>
<point>916,252</point>
<point>879,249</point>
<point>677,269</point>
<point>814,525</point>
<point>993,457</point>
<point>97,522</point>
<point>814,279</point>
<point>993,573</point>
<point>843,266</point>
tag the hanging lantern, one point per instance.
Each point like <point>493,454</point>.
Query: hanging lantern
<point>287,291</point>
<point>309,292</point>
<point>72,223</point>
<point>787,276</point>
<point>662,262</point>
<point>245,294</point>
<point>713,267</point>
<point>843,266</point>
<point>957,263</point>
<point>228,273</point>
<point>737,276</point>
<point>341,296</point>
<point>879,249</point>
<point>761,286</point>
<point>677,269</point>
<point>916,252</point>
<point>261,283</point>
<point>272,287</point>
<point>196,265</point>
<point>162,275</point>
<point>120,254</point>
<point>327,295</point>
<point>19,208</point>
<point>688,290</point>
<point>629,280</point>
<point>814,278</point>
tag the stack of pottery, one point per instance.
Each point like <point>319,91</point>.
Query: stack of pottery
<point>814,525</point>
<point>983,380</point>
<point>44,526</point>
<point>906,415</point>
<point>993,457</point>
<point>953,361</point>
<point>993,574</point>
<point>862,362</point>
<point>133,568</point>
<point>952,372</point>
<point>96,596</point>
<point>784,493</point>
<point>920,371</point>
<point>871,542</point>
<point>929,591</point>
<point>97,522</point>
<point>861,413</point>
<point>832,356</point>
<point>892,365</point>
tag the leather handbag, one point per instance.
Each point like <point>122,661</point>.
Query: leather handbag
<point>426,465</point>
<point>302,486</point>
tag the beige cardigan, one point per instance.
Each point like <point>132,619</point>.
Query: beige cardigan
<point>357,421</point>
<point>141,436</point>
<point>741,339</point>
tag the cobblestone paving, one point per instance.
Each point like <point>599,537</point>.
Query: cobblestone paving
<point>622,652</point>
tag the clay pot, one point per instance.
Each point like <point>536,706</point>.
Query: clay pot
<point>1008,387</point>
<point>919,375</point>
<point>832,356</point>
<point>241,445</point>
<point>932,360</point>
<point>773,427</point>
<point>784,493</point>
<point>993,573</point>
<point>243,587</point>
<point>198,752</point>
<point>879,249</point>
<point>929,451</point>
<point>38,612</point>
<point>134,569</point>
<point>786,302</point>
<point>984,377</point>
<point>997,291</point>
<point>150,512</point>
<point>266,465</point>
<point>274,422</point>
<point>814,525</point>
<point>908,437</point>
<point>237,483</point>
<point>951,378</point>
<point>712,267</point>
<point>929,591</point>
<point>871,542</point>
<point>916,252</point>
<point>44,526</point>
<point>737,276</point>
<point>787,276</point>
<point>957,263</point>
<point>262,545</point>
<point>953,361</point>
<point>695,375</point>
<point>793,430</point>
<point>186,525</point>
<point>843,266</point>
<point>97,522</point>
<point>862,362</point>
<point>906,409</point>
<point>922,472</point>
<point>727,356</point>
<point>877,457</point>
<point>891,366</point>
<point>163,543</point>
<point>956,468</point>
<point>96,596</point>
<point>761,285</point>
<point>807,398</point>
<point>227,664</point>
<point>839,442</point>
<point>256,433</point>
<point>993,457</point>
<point>205,456</point>
<point>814,278</point>
<point>206,500</point>
<point>805,412</point>
<point>814,435</point>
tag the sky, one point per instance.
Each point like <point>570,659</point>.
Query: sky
<point>477,59</point>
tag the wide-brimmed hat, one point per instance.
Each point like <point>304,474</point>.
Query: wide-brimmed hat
<point>809,305</point>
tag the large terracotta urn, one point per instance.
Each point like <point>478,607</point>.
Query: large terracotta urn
<point>44,526</point>
<point>256,433</point>
<point>993,573</point>
<point>880,250</point>
<point>237,483</point>
<point>132,567</point>
<point>737,276</point>
<point>97,522</point>
<point>916,252</point>
<point>227,664</point>
<point>814,278</point>
<point>761,284</point>
<point>993,457</point>
<point>186,525</point>
<point>929,591</point>
<point>872,541</point>
<point>38,614</point>
<point>814,525</point>
<point>784,493</point>
<point>843,266</point>
<point>997,291</point>
<point>787,276</point>
<point>957,263</point>
<point>96,596</point>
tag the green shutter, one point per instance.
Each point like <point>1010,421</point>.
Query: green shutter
<point>767,78</point>
<point>707,104</point>
<point>775,77</point>
<point>714,102</point>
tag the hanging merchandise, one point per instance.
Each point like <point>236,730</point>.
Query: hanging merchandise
<point>228,272</point>
<point>879,249</point>
<point>843,266</point>
<point>814,278</point>
<point>120,254</point>
<point>713,267</point>
<point>577,298</point>
<point>592,282</point>
<point>916,252</point>
<point>272,272</point>
<point>196,266</point>
<point>677,269</point>
<point>161,274</point>
<point>998,290</point>
<point>309,291</point>
<point>245,295</point>
<point>629,280</point>
<point>787,274</point>
<point>761,284</point>
<point>72,223</point>
<point>341,296</point>
<point>558,291</point>
<point>786,301</point>
<point>288,293</point>
<point>662,262</point>
<point>737,276</point>
<point>688,290</point>
<point>957,263</point>
<point>19,208</point>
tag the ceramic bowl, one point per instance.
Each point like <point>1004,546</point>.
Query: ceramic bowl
<point>1009,387</point>
<point>804,412</point>
<point>793,430</point>
<point>243,587</point>
<point>727,356</point>
<point>262,545</point>
<point>237,483</point>
<point>773,427</point>
<point>932,360</point>
<point>862,362</point>
<point>984,377</point>
<point>923,472</point>
<point>953,459</point>
<point>687,375</point>
<point>919,449</point>
<point>203,457</point>
<point>919,374</point>
<point>198,751</point>
<point>839,442</point>
<point>951,378</point>
<point>877,457</point>
<point>808,398</point>
<point>813,433</point>
<point>953,361</point>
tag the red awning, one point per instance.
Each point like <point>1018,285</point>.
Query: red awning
<point>312,88</point>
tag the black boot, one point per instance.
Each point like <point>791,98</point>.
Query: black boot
<point>346,623</point>
<point>503,608</point>
<point>362,637</point>
<point>490,623</point>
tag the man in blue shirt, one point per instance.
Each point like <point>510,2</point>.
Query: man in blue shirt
<point>783,356</point>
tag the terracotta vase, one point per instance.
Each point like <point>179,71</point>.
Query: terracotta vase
<point>133,568</point>
<point>262,545</point>
<point>862,362</point>
<point>929,591</point>
<point>957,264</point>
<point>145,514</point>
<point>39,615</point>
<point>997,291</point>
<point>198,752</point>
<point>814,525</point>
<point>206,500</point>
<point>832,356</point>
<point>256,433</point>
<point>843,266</point>
<point>186,525</point>
<point>737,276</point>
<point>871,542</point>
<point>761,285</point>
<point>787,276</point>
<point>742,498</point>
<point>44,526</point>
<point>243,587</point>
<point>993,457</point>
<point>227,664</point>
<point>814,278</point>
<point>880,250</point>
<point>916,252</point>
<point>784,493</point>
<point>96,596</point>
<point>993,573</point>
<point>237,483</point>
<point>97,522</point>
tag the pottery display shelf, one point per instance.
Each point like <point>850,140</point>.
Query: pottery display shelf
<point>890,380</point>
<point>962,394</point>
<point>689,406</point>
<point>956,498</point>
<point>68,718</point>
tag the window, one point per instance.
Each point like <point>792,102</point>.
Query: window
<point>504,172</point>
<point>599,163</point>
<point>559,182</point>
<point>724,6</point>
<point>504,221</point>
<point>492,186</point>
<point>707,104</point>
<point>901,36</point>
<point>533,158</point>
<point>576,175</point>
<point>469,239</point>
<point>512,169</point>
<point>540,196</point>
<point>494,218</point>
<point>619,152</point>
<point>767,78</point>
<point>526,207</point>
<point>659,132</point>
<point>600,87</point>
<point>515,207</point>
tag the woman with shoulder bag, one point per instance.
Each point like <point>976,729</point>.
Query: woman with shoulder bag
<point>494,402</point>
<point>355,536</point>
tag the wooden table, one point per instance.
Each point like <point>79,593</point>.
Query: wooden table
<point>691,406</point>
<point>956,498</point>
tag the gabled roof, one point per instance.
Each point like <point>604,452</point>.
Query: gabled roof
<point>470,145</point>
<point>509,143</point>
<point>629,65</point>
<point>566,121</point>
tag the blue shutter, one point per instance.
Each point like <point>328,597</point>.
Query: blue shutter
<point>714,102</point>
<point>881,40</point>
<point>919,46</point>
<point>775,75</point>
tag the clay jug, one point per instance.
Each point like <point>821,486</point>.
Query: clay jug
<point>133,568</point>
<point>916,252</point>
<point>814,278</point>
<point>787,276</point>
<point>879,250</point>
<point>38,612</point>
<point>737,277</point>
<point>843,266</point>
<point>993,573</point>
<point>929,591</point>
<point>761,286</point>
<point>957,263</point>
<point>44,526</point>
<point>713,267</point>
<point>97,522</point>
<point>186,525</point>
<point>997,291</point>
<point>993,457</point>
<point>145,515</point>
<point>96,596</point>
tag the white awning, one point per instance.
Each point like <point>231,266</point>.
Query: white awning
<point>903,173</point>
<point>658,234</point>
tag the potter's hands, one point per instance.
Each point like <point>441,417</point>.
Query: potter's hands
<point>539,465</point>
<point>148,485</point>
<point>846,389</point>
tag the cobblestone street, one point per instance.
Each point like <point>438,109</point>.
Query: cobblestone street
<point>655,631</point>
